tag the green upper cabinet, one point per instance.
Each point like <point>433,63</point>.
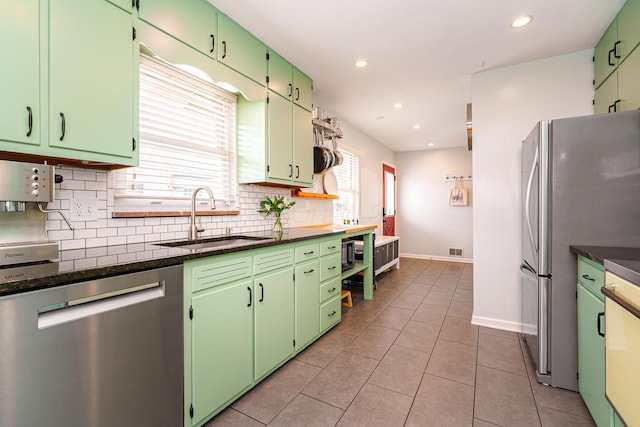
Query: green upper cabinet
<point>280,75</point>
<point>604,59</point>
<point>194,22</point>
<point>629,81</point>
<point>280,167</point>
<point>302,89</point>
<point>274,320</point>
<point>91,87</point>
<point>241,50</point>
<point>302,146</point>
<point>20,112</point>
<point>288,81</point>
<point>628,27</point>
<point>126,5</point>
<point>606,95</point>
<point>617,63</point>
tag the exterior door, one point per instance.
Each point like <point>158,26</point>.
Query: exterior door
<point>388,200</point>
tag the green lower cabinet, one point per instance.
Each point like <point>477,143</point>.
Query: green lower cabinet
<point>222,347</point>
<point>591,356</point>
<point>307,303</point>
<point>274,320</point>
<point>330,313</point>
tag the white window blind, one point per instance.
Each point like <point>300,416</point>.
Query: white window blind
<point>348,174</point>
<point>187,140</point>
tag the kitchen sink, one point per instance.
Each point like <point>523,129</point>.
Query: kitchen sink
<point>214,242</point>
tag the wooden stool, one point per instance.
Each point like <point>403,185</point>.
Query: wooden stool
<point>347,295</point>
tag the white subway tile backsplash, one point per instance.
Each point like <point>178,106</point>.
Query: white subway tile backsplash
<point>85,263</point>
<point>84,234</point>
<point>72,244</point>
<point>107,232</point>
<point>97,242</point>
<point>84,183</point>
<point>116,240</point>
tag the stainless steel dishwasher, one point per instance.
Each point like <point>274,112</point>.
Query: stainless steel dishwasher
<point>101,353</point>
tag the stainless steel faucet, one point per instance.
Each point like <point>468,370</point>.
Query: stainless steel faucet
<point>194,229</point>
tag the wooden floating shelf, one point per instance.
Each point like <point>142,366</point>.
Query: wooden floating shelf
<point>304,194</point>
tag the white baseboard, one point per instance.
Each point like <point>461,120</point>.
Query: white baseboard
<point>438,258</point>
<point>506,325</point>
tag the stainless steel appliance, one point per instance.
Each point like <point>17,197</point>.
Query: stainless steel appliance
<point>580,186</point>
<point>101,353</point>
<point>348,254</point>
<point>24,188</point>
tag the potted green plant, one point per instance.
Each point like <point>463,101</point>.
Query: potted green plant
<point>275,206</point>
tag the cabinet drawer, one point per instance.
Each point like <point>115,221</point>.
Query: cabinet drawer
<point>591,276</point>
<point>273,260</point>
<point>330,313</point>
<point>306,252</point>
<point>218,273</point>
<point>330,290</point>
<point>330,266</point>
<point>330,247</point>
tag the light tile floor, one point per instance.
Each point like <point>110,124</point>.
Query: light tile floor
<point>409,357</point>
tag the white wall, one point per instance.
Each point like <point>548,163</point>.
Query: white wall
<point>427,225</point>
<point>507,103</point>
<point>372,155</point>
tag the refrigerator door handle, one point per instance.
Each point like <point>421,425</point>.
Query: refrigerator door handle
<point>527,208</point>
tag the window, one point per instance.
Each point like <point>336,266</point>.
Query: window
<point>187,140</point>
<point>348,174</point>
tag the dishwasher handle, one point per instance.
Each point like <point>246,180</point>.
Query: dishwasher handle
<point>79,309</point>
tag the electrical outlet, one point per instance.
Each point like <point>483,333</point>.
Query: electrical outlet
<point>83,210</point>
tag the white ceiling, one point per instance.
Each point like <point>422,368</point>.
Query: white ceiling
<point>421,53</point>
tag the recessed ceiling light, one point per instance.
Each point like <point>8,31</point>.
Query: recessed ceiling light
<point>416,126</point>
<point>521,21</point>
<point>431,144</point>
<point>361,63</point>
<point>397,105</point>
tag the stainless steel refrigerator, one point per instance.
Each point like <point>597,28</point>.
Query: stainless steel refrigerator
<point>580,186</point>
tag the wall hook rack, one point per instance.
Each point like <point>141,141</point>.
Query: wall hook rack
<point>452,176</point>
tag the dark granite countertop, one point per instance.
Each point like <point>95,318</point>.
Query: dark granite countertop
<point>627,269</point>
<point>624,262</point>
<point>77,265</point>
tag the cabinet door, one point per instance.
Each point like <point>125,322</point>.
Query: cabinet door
<point>91,77</point>
<point>222,341</point>
<point>307,303</point>
<point>628,81</point>
<point>194,22</point>
<point>591,356</point>
<point>302,146</point>
<point>303,89</point>
<point>241,50</point>
<point>280,75</point>
<point>280,122</point>
<point>602,57</point>
<point>606,95</point>
<point>20,74</point>
<point>274,320</point>
<point>628,27</point>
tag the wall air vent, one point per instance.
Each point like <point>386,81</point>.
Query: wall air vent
<point>455,251</point>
